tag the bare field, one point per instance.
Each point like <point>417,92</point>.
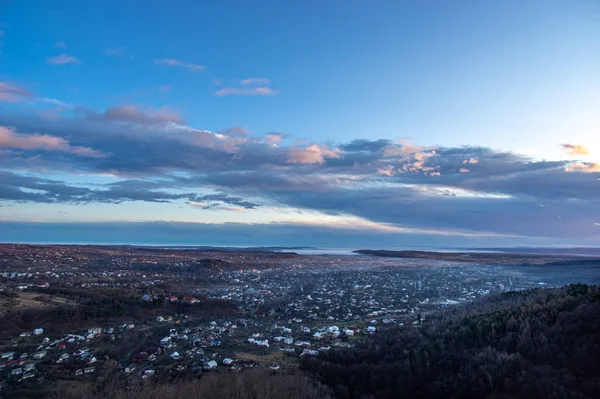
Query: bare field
<point>30,300</point>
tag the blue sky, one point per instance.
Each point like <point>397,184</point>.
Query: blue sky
<point>413,119</point>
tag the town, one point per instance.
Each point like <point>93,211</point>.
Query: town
<point>84,315</point>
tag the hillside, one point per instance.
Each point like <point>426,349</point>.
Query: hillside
<point>537,343</point>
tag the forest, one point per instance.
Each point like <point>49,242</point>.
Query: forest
<point>538,343</point>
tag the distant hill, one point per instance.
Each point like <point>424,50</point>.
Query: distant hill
<point>478,257</point>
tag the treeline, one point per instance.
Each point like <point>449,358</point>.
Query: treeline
<point>542,343</point>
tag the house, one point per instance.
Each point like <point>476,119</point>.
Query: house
<point>147,298</point>
<point>8,356</point>
<point>349,333</point>
<point>172,298</point>
<point>211,364</point>
<point>17,371</point>
<point>63,357</point>
<point>148,374</point>
<point>28,367</point>
<point>191,300</point>
<point>175,355</point>
<point>89,370</point>
<point>39,355</point>
<point>130,368</point>
<point>79,372</point>
<point>38,331</point>
<point>95,331</point>
<point>274,366</point>
<point>371,329</point>
<point>227,361</point>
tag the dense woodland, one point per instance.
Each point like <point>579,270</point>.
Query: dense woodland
<point>542,343</point>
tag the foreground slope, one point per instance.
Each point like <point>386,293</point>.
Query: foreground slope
<point>537,343</point>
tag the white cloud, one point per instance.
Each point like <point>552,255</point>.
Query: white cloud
<point>181,64</point>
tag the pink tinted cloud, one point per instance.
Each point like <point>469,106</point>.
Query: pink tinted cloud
<point>12,93</point>
<point>63,59</point>
<point>273,138</point>
<point>583,167</point>
<point>313,154</point>
<point>575,149</point>
<point>253,91</point>
<point>180,64</point>
<point>11,139</point>
<point>389,171</point>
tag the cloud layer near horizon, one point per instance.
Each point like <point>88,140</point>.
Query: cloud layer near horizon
<point>154,157</point>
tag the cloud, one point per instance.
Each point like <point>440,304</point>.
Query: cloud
<point>165,88</point>
<point>180,64</point>
<point>22,188</point>
<point>471,161</point>
<point>61,45</point>
<point>405,150</point>
<point>255,91</point>
<point>313,154</point>
<point>214,199</point>
<point>575,149</point>
<point>63,59</point>
<point>137,114</point>
<point>273,138</point>
<point>583,167</point>
<point>256,81</point>
<point>115,52</point>
<point>11,139</point>
<point>389,171</point>
<point>235,132</point>
<point>464,170</point>
<point>10,92</point>
<point>422,189</point>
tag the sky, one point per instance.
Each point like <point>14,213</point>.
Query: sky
<point>338,123</point>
